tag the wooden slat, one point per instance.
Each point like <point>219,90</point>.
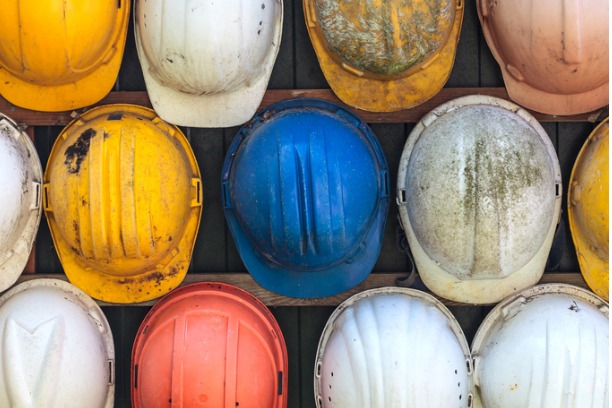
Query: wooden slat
<point>374,280</point>
<point>36,118</point>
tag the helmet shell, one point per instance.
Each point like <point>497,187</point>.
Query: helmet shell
<point>113,176</point>
<point>392,347</point>
<point>60,54</point>
<point>310,223</point>
<point>553,55</point>
<point>209,344</point>
<point>479,195</point>
<point>588,209</point>
<point>207,64</point>
<point>20,178</point>
<point>57,348</point>
<point>547,346</point>
<point>384,56</point>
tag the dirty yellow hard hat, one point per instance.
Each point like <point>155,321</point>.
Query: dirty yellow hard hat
<point>588,211</point>
<point>384,56</point>
<point>58,55</point>
<point>123,198</point>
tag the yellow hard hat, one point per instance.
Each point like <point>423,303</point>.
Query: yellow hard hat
<point>589,209</point>
<point>384,57</point>
<point>60,55</point>
<point>122,195</point>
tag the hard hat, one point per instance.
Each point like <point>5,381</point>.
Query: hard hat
<point>207,64</point>
<point>123,199</point>
<point>384,57</point>
<point>58,55</point>
<point>309,222</point>
<point>393,348</point>
<point>209,344</point>
<point>57,348</point>
<point>20,178</point>
<point>553,55</point>
<point>479,196</point>
<point>588,209</point>
<point>545,347</point>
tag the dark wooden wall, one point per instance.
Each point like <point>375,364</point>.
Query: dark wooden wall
<point>297,68</point>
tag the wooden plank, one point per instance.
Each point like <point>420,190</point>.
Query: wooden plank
<point>36,118</point>
<point>374,280</point>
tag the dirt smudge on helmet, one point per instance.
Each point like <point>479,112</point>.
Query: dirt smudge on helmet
<point>76,152</point>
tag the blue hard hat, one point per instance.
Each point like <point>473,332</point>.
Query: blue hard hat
<point>305,188</point>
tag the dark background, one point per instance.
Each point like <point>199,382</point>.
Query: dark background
<point>297,68</point>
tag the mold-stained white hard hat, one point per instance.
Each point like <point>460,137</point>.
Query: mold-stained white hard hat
<point>479,196</point>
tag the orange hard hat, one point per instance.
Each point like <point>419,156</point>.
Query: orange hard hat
<point>553,54</point>
<point>209,345</point>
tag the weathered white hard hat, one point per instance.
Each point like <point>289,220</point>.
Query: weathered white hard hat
<point>401,348</point>
<point>207,64</point>
<point>479,196</point>
<point>20,178</point>
<point>545,347</point>
<point>56,348</point>
<point>392,347</point>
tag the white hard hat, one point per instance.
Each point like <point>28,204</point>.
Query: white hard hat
<point>207,64</point>
<point>57,348</point>
<point>20,178</point>
<point>479,196</point>
<point>392,347</point>
<point>545,347</point>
